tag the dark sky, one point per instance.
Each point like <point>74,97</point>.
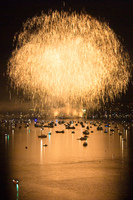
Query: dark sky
<point>119,15</point>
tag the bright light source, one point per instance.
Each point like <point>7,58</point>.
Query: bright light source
<point>69,58</point>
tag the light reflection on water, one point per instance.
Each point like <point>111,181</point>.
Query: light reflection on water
<point>65,169</point>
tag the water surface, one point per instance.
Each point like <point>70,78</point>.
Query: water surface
<point>65,169</point>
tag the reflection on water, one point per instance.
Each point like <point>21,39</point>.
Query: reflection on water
<point>60,167</point>
<point>17,191</point>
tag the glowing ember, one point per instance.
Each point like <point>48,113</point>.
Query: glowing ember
<point>63,58</point>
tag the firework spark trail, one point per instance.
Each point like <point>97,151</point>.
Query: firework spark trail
<point>63,57</point>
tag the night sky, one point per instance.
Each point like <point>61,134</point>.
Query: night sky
<point>119,15</point>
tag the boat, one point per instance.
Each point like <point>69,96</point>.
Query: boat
<point>70,127</point>
<point>37,125</point>
<point>13,126</point>
<point>85,144</point>
<point>45,145</point>
<point>15,181</point>
<point>73,131</point>
<point>42,136</point>
<point>86,132</point>
<point>99,128</point>
<point>112,129</point>
<point>83,138</point>
<point>59,131</point>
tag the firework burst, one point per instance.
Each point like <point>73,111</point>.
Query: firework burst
<point>72,58</point>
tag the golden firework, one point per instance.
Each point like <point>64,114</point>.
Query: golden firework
<point>72,58</point>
